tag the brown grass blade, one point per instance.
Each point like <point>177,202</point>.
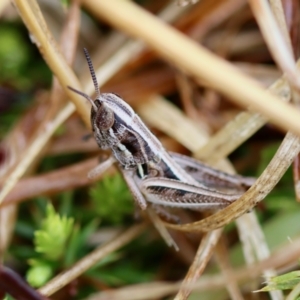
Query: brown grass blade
<point>196,61</point>
<point>283,158</point>
<point>202,257</point>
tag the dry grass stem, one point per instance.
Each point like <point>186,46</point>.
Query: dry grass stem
<point>207,282</point>
<point>33,150</point>
<point>277,9</point>
<point>261,72</point>
<point>72,144</point>
<point>230,137</point>
<point>246,241</point>
<point>250,230</point>
<point>146,291</point>
<point>241,44</point>
<point>53,182</point>
<point>158,112</point>
<point>212,16</point>
<point>237,131</point>
<point>279,47</point>
<point>202,257</point>
<point>7,223</point>
<point>199,62</point>
<point>276,260</point>
<point>264,184</point>
<point>33,19</point>
<point>222,256</point>
<point>186,96</point>
<point>90,260</point>
<point>278,12</point>
<point>68,45</point>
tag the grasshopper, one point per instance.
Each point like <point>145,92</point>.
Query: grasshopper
<point>155,176</point>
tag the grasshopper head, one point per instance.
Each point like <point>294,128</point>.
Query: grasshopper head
<point>102,116</point>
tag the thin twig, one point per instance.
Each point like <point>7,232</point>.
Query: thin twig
<point>202,257</point>
<point>250,230</point>
<point>90,260</point>
<point>13,284</point>
<point>34,149</point>
<point>34,21</point>
<point>53,182</point>
<point>222,256</point>
<point>33,18</point>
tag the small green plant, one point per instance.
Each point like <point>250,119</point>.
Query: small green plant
<point>286,281</point>
<point>112,199</point>
<point>52,237</point>
<point>59,242</point>
<point>50,241</point>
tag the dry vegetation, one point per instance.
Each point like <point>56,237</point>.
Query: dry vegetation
<point>208,80</point>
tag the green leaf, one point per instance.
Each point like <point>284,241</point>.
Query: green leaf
<point>51,239</point>
<point>282,282</point>
<point>39,273</point>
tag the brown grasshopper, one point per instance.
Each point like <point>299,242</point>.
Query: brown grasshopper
<point>154,175</point>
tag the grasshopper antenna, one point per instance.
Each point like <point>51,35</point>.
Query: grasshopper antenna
<point>85,96</point>
<point>92,71</point>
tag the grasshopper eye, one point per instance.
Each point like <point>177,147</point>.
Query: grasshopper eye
<point>104,117</point>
